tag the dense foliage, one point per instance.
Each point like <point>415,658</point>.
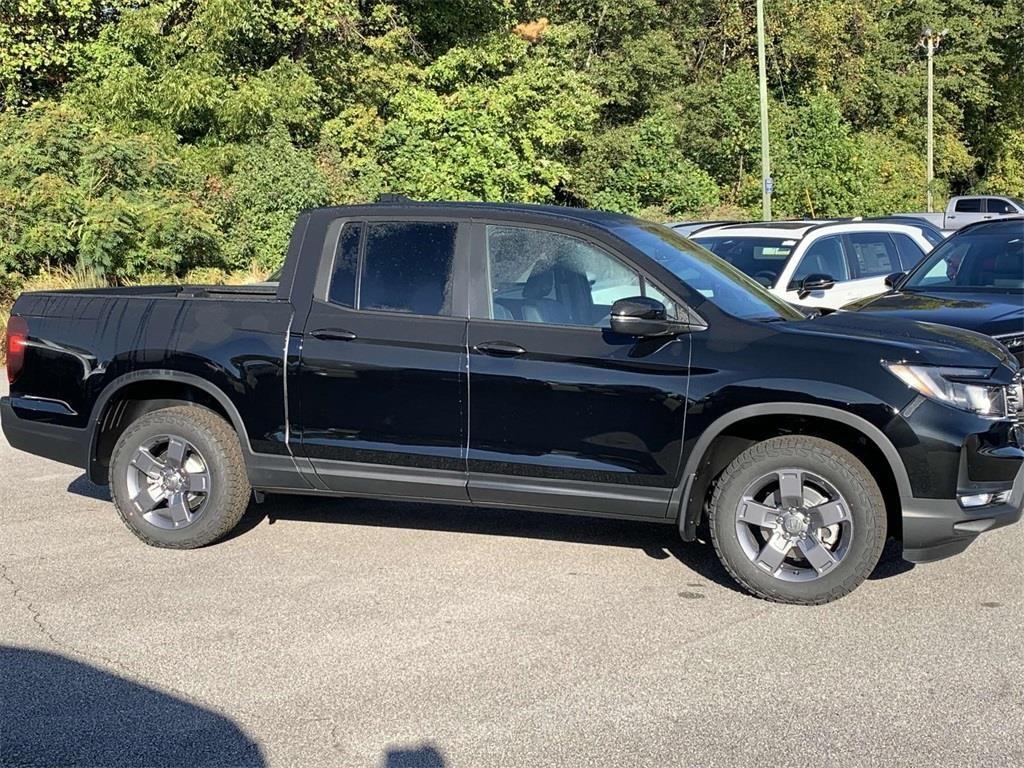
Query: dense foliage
<point>175,135</point>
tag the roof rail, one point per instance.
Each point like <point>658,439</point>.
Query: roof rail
<point>393,198</point>
<point>786,224</point>
<point>703,227</point>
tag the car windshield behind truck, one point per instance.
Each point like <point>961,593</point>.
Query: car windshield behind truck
<point>721,283</point>
<point>763,258</point>
<point>984,259</point>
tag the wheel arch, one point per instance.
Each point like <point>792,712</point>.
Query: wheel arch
<point>732,433</point>
<point>162,389</point>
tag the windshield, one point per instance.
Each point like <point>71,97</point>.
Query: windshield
<point>763,258</point>
<point>720,283</point>
<point>974,259</point>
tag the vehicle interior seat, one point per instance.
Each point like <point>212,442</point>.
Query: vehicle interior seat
<point>537,306</point>
<point>1007,271</point>
<point>501,312</point>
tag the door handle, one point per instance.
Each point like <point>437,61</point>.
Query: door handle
<point>332,334</point>
<point>499,349</point>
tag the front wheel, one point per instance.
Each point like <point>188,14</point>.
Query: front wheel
<point>177,477</point>
<point>798,520</point>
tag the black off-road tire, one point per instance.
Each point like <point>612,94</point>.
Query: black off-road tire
<point>218,443</point>
<point>832,463</point>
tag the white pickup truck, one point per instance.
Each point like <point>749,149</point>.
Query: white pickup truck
<point>968,209</point>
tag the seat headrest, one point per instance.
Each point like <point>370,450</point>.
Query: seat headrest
<point>501,312</point>
<point>1009,262</point>
<point>539,283</point>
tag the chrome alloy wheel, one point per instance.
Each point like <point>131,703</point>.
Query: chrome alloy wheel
<point>794,525</point>
<point>168,482</point>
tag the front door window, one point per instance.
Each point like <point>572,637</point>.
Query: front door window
<point>824,257</point>
<point>538,276</point>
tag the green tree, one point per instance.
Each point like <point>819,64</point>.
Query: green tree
<point>148,139</point>
<point>41,42</point>
<point>78,193</point>
<point>644,166</point>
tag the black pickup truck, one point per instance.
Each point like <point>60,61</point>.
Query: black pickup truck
<point>528,358</point>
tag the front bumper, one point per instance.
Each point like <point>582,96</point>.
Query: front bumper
<point>934,529</point>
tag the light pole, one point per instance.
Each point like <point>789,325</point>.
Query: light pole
<point>930,40</point>
<point>766,165</point>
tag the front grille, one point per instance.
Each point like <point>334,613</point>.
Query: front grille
<point>1015,343</point>
<point>1015,399</point>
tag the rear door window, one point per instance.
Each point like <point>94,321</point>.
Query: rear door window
<point>407,267</point>
<point>871,254</point>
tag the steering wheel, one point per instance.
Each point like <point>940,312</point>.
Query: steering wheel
<point>765,275</point>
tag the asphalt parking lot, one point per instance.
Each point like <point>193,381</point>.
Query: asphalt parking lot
<point>360,633</point>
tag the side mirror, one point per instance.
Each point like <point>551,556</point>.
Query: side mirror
<point>815,282</point>
<point>894,280</point>
<point>643,316</point>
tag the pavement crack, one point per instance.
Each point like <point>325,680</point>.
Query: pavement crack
<point>34,612</point>
<point>44,630</point>
<point>25,600</point>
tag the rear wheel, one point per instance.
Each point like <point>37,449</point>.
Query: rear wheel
<point>177,477</point>
<point>798,520</point>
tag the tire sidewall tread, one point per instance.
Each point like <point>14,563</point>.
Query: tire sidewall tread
<point>839,467</point>
<point>218,442</point>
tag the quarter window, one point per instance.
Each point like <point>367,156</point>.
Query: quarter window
<point>670,306</point>
<point>537,276</point>
<point>407,267</point>
<point>910,252</point>
<point>346,266</point>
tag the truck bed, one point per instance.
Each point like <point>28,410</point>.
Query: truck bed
<point>254,290</point>
<point>82,342</point>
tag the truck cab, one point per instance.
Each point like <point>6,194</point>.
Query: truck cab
<point>970,209</point>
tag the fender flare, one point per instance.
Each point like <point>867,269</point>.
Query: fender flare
<point>163,375</point>
<point>689,513</point>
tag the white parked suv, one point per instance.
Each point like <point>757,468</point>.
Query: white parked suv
<point>818,264</point>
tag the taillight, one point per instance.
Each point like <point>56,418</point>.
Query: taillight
<point>17,337</point>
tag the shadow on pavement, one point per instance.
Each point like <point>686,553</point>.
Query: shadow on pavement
<point>82,486</point>
<point>421,757</point>
<point>57,711</point>
<point>658,541</point>
<point>892,562</point>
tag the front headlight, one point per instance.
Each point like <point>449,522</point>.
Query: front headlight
<point>963,388</point>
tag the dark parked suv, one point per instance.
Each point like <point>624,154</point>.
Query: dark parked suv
<point>528,358</point>
<point>973,280</point>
